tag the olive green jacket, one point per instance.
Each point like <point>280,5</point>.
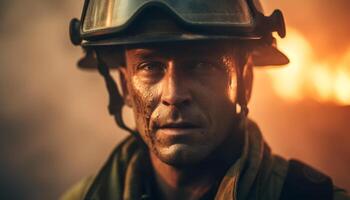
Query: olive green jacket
<point>258,174</point>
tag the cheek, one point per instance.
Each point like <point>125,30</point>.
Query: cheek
<point>221,89</point>
<point>144,99</point>
<point>217,98</point>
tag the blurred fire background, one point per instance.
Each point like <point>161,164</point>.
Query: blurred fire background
<point>53,119</point>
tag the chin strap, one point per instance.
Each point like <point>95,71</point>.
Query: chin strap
<point>116,101</point>
<point>241,92</point>
<point>242,102</point>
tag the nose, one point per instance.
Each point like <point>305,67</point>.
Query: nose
<point>175,88</point>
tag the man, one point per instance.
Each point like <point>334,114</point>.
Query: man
<point>186,71</point>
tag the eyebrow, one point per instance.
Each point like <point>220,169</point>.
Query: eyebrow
<point>197,53</point>
<point>145,53</point>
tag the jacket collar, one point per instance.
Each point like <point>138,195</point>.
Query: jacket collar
<point>239,179</point>
<point>126,174</point>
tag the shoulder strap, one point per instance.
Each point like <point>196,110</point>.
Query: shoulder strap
<point>305,183</point>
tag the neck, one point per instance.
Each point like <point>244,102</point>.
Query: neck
<point>193,182</point>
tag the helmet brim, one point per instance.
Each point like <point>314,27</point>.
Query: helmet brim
<point>263,55</point>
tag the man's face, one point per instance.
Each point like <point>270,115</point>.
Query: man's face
<point>183,97</point>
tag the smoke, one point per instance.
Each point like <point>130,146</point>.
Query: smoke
<point>53,118</point>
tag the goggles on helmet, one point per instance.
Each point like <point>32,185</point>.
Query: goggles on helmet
<point>101,17</point>
<point>117,14</point>
<point>203,19</point>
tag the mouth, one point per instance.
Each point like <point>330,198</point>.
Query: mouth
<point>181,125</point>
<point>180,128</point>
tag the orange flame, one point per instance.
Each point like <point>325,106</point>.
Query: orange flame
<point>323,80</point>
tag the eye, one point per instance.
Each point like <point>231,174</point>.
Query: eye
<point>151,67</point>
<point>205,66</point>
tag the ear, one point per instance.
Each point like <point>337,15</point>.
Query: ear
<point>248,77</point>
<point>124,86</point>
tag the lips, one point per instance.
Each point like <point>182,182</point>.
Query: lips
<point>179,125</point>
<point>178,130</point>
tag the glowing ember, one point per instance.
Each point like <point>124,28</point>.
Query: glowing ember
<point>323,80</point>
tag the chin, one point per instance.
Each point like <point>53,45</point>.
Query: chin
<point>180,155</point>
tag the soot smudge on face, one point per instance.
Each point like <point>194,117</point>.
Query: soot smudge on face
<point>143,108</point>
